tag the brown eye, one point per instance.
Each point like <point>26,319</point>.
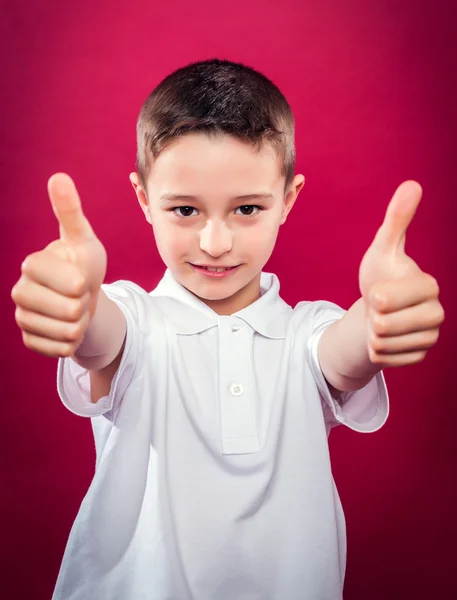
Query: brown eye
<point>249,209</point>
<point>184,211</point>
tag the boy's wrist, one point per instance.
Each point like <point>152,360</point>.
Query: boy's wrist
<point>104,336</point>
<point>343,351</point>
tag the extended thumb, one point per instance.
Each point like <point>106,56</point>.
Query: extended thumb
<point>67,208</point>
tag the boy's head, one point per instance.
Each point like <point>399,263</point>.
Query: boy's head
<point>215,176</point>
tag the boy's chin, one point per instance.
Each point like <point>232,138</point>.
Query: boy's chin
<point>204,292</point>
<point>213,290</point>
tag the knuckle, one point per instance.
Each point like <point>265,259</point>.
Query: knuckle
<point>441,314</point>
<point>27,340</point>
<point>74,331</point>
<point>427,339</point>
<point>25,263</point>
<point>17,291</point>
<point>377,344</point>
<point>373,356</point>
<point>14,293</point>
<point>19,316</point>
<point>417,357</point>
<point>75,310</point>
<point>66,350</point>
<point>379,324</point>
<point>435,285</point>
<point>383,299</point>
<point>30,262</point>
<point>421,356</point>
<point>379,297</point>
<point>78,286</point>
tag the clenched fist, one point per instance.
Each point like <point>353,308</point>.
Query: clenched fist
<point>57,293</point>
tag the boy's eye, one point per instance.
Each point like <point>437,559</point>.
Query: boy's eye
<point>184,211</point>
<point>248,210</point>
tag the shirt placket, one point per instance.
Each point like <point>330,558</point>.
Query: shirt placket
<point>236,387</point>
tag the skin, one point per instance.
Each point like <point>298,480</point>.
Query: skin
<point>219,231</point>
<point>397,319</point>
<point>62,311</point>
<point>394,323</point>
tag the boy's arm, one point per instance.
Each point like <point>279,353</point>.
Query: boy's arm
<point>397,319</point>
<point>343,352</point>
<point>101,349</point>
<point>61,308</point>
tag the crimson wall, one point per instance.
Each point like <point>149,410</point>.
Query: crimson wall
<point>373,88</point>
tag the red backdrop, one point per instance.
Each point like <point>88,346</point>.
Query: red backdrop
<point>373,88</point>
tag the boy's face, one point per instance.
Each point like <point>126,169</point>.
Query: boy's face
<point>216,203</point>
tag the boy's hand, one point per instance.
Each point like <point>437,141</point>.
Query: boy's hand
<point>56,295</point>
<point>402,310</point>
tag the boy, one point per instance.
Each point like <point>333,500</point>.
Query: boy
<point>211,399</point>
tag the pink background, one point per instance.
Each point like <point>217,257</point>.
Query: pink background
<point>373,88</point>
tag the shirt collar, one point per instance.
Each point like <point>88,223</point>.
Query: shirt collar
<point>268,315</point>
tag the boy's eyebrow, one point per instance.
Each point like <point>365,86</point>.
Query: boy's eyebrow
<point>174,197</point>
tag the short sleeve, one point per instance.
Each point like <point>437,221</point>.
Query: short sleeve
<point>73,381</point>
<point>364,410</point>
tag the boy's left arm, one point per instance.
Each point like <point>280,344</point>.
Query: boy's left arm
<point>397,319</point>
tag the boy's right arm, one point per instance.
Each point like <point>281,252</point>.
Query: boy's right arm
<point>60,306</point>
<point>102,360</point>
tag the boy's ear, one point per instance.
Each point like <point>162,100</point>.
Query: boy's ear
<point>291,196</point>
<point>141,195</point>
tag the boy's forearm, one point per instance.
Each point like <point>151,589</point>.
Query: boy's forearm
<point>343,354</point>
<point>104,337</point>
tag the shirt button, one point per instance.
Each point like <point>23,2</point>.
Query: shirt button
<point>236,389</point>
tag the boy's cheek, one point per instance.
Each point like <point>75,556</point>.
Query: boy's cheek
<point>171,246</point>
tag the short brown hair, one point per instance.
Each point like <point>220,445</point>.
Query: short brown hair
<point>216,97</point>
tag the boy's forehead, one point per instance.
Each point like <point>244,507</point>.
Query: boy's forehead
<point>194,163</point>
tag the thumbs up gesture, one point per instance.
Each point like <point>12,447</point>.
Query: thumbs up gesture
<point>402,310</point>
<point>57,293</point>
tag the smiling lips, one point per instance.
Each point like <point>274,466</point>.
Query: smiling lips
<point>214,271</point>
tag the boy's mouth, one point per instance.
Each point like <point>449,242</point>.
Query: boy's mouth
<point>214,271</point>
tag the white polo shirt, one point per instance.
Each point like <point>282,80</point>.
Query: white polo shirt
<point>213,478</point>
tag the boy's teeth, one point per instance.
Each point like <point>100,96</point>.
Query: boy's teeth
<point>218,269</point>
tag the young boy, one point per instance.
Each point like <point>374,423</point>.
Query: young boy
<point>211,399</point>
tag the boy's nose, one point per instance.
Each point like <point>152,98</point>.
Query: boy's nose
<point>216,238</point>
